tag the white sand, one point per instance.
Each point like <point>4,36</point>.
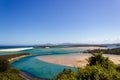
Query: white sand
<point>74,60</point>
<point>14,49</point>
<point>17,58</point>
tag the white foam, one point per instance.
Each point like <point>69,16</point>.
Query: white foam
<point>15,49</point>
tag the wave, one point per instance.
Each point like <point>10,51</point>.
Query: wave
<point>15,49</point>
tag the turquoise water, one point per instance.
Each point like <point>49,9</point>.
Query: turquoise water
<point>51,51</point>
<point>39,68</point>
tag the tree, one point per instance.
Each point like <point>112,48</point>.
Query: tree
<point>98,68</point>
<point>67,74</point>
<point>4,64</point>
<point>99,59</point>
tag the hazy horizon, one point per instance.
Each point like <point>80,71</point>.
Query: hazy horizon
<point>33,22</point>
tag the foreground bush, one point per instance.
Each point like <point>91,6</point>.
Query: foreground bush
<point>98,68</point>
<point>4,64</point>
<point>8,73</point>
<point>11,74</point>
<point>67,74</point>
<point>97,73</point>
<point>99,59</point>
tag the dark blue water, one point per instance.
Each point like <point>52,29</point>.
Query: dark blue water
<point>10,47</point>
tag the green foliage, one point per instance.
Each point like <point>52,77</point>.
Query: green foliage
<point>4,64</point>
<point>98,68</point>
<point>67,74</point>
<point>6,72</point>
<point>96,72</point>
<point>11,74</point>
<point>13,55</point>
<point>15,70</point>
<point>118,68</point>
<point>106,51</point>
<point>98,59</point>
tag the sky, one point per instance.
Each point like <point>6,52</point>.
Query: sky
<point>28,22</point>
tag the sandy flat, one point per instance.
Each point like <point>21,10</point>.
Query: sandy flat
<point>74,60</point>
<point>83,48</point>
<point>14,49</point>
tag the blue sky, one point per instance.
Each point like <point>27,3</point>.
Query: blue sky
<point>59,21</point>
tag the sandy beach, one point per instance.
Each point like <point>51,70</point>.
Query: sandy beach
<point>83,48</point>
<point>17,58</point>
<point>74,60</point>
<point>14,49</point>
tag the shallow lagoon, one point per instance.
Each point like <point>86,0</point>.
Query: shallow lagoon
<point>39,68</point>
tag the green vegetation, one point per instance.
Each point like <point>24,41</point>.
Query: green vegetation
<point>6,72</point>
<point>106,51</point>
<point>4,64</point>
<point>13,55</point>
<point>10,74</point>
<point>67,74</point>
<point>98,68</point>
<point>104,62</point>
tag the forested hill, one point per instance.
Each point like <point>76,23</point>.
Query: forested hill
<point>106,51</point>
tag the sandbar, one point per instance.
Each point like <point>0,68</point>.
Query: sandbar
<point>75,59</point>
<point>84,48</point>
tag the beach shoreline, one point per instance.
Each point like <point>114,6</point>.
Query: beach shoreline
<point>84,48</point>
<point>17,58</point>
<point>74,60</point>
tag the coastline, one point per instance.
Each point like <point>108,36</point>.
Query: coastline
<point>15,49</point>
<point>17,58</point>
<point>74,60</point>
<point>84,48</point>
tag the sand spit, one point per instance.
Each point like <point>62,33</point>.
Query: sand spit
<point>74,60</point>
<point>19,57</point>
<point>84,48</point>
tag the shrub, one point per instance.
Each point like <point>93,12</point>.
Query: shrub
<point>118,68</point>
<point>67,74</point>
<point>4,64</point>
<point>98,68</point>
<point>96,72</point>
<point>99,59</point>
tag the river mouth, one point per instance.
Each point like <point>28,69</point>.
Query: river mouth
<point>43,69</point>
<point>38,68</point>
